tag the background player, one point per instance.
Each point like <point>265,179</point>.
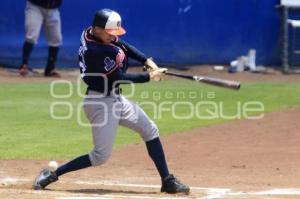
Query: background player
<point>104,56</point>
<point>38,13</point>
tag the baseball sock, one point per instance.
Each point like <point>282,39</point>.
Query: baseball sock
<point>27,49</point>
<point>156,152</point>
<point>76,164</point>
<point>52,56</point>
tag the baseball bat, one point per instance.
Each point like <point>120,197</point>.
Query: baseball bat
<point>209,80</point>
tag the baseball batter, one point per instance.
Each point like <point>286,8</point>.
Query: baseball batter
<point>103,61</point>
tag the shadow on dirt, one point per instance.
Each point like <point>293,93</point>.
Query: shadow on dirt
<point>110,191</point>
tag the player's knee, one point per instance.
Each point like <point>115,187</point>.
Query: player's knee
<point>55,40</point>
<point>31,38</point>
<point>150,132</point>
<point>99,157</point>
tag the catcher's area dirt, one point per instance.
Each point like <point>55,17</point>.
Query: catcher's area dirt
<point>238,159</point>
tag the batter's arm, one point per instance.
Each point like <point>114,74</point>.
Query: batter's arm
<point>132,51</point>
<point>132,77</point>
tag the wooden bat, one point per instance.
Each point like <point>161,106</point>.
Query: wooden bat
<point>209,80</point>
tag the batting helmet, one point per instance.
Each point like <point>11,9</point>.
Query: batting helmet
<point>110,21</point>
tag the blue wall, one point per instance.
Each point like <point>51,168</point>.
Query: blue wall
<point>172,31</point>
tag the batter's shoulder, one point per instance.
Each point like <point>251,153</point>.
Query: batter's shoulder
<point>95,46</point>
<point>104,50</point>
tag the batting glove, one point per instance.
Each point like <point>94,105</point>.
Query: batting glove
<point>150,64</point>
<point>157,74</point>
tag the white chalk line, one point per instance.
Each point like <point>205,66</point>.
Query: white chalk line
<point>211,193</point>
<point>12,181</point>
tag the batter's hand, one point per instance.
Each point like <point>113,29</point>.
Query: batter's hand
<point>157,74</point>
<point>151,65</point>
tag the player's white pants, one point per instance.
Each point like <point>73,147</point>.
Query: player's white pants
<point>35,17</point>
<point>105,114</point>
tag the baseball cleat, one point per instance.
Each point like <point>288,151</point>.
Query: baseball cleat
<point>23,70</point>
<point>172,185</point>
<point>43,179</point>
<point>52,74</point>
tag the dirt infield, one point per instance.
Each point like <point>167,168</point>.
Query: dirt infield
<point>239,159</point>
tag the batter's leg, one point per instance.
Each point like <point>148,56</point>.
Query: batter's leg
<point>104,116</point>
<point>135,118</point>
<point>104,125</point>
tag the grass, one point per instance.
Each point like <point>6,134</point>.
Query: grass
<point>27,130</point>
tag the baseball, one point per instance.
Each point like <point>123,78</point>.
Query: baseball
<point>52,165</point>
